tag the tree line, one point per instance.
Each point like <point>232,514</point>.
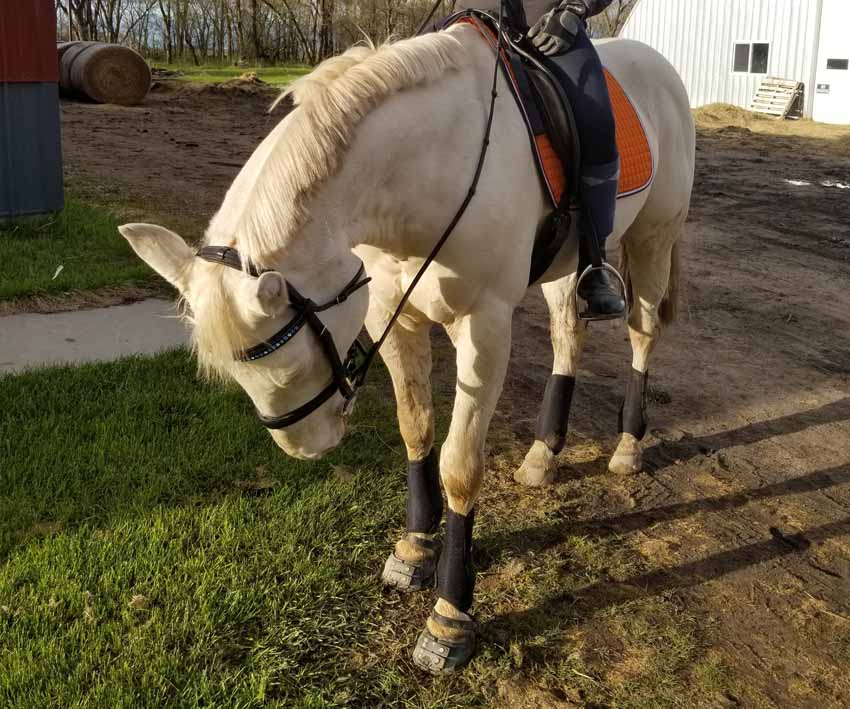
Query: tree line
<point>257,31</point>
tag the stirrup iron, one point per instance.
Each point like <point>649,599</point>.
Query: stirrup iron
<point>604,266</point>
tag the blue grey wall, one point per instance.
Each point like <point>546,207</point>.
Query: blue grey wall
<point>30,149</point>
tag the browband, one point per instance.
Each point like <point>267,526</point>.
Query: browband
<point>345,373</point>
<point>227,256</point>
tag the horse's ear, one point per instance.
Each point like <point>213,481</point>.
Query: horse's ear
<point>272,294</point>
<point>163,250</point>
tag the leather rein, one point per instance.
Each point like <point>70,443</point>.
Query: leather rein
<point>348,374</point>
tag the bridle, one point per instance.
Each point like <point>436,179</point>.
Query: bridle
<point>346,377</point>
<point>348,374</point>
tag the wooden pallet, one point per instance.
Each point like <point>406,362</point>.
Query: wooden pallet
<point>777,97</point>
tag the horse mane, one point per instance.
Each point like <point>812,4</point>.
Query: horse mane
<point>266,207</point>
<point>330,102</point>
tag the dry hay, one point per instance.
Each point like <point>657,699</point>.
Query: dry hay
<point>715,115</point>
<point>247,83</point>
<point>718,116</point>
<point>106,73</point>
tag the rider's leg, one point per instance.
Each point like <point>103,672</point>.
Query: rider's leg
<point>600,166</point>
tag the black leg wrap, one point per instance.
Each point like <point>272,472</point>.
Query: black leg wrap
<point>555,412</point>
<point>424,499</point>
<point>455,575</point>
<point>633,411</point>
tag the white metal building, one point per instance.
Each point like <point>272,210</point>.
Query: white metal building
<point>724,48</point>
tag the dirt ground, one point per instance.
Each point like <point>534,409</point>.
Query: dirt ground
<point>742,516</point>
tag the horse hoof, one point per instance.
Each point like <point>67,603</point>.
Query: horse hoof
<point>408,576</point>
<point>441,656</point>
<point>625,464</point>
<point>538,468</point>
<point>628,458</point>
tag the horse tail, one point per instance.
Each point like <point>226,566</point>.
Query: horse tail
<point>669,308</point>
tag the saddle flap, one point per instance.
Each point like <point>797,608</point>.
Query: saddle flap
<point>550,104</point>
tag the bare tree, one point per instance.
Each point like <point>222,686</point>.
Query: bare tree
<point>611,21</point>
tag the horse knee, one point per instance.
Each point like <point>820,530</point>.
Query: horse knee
<point>416,424</point>
<point>461,473</point>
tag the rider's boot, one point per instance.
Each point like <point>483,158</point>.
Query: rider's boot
<point>598,289</point>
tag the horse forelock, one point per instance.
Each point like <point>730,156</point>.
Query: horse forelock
<point>217,328</point>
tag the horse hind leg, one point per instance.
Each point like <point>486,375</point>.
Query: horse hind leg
<point>650,261</point>
<point>568,335</point>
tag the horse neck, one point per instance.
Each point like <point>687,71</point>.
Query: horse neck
<point>403,175</point>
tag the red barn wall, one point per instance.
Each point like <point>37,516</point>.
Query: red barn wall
<point>28,41</point>
<point>30,144</point>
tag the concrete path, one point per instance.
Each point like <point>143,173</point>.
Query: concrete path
<point>33,340</point>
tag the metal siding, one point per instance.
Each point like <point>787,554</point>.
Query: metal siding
<point>833,106</point>
<point>697,37</point>
<point>28,41</point>
<point>30,152</point>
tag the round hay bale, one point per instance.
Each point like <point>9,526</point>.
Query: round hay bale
<point>63,47</point>
<point>106,73</point>
<point>68,51</point>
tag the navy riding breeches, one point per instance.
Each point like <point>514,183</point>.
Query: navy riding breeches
<point>588,94</point>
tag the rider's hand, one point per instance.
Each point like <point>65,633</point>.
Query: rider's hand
<point>555,32</point>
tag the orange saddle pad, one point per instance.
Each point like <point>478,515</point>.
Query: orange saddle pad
<point>636,165</point>
<point>636,168</point>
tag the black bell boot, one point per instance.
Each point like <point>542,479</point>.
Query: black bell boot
<point>602,297</point>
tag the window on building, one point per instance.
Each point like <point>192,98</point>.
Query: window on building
<point>838,64</point>
<point>758,62</point>
<point>751,58</point>
<point>742,58</point>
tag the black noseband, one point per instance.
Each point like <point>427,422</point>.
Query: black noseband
<point>346,374</point>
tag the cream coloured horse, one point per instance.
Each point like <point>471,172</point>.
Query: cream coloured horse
<point>370,166</point>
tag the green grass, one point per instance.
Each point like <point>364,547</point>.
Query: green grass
<point>134,479</point>
<point>82,239</point>
<point>275,75</point>
<point>255,576</point>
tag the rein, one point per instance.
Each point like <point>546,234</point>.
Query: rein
<point>349,374</point>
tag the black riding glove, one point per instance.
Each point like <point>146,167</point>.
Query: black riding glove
<point>555,32</point>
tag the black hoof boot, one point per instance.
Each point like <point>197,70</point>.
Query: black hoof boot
<point>602,298</point>
<point>411,575</point>
<point>442,656</point>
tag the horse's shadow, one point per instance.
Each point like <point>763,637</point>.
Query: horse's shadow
<point>565,607</point>
<point>689,447</point>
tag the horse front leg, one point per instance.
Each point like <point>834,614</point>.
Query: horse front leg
<point>550,433</point>
<point>407,355</point>
<point>483,342</point>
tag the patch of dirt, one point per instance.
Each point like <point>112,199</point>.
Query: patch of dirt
<point>741,519</point>
<point>179,151</point>
<point>82,299</point>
